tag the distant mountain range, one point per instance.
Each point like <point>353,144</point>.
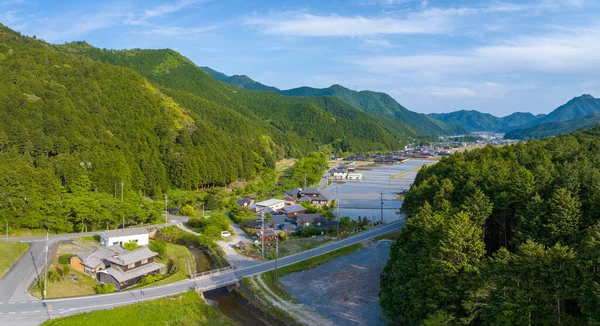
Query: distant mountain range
<point>374,103</point>
<point>477,121</point>
<point>580,112</point>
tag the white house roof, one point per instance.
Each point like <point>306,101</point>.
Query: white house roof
<point>123,232</point>
<point>270,202</point>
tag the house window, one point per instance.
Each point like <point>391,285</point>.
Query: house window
<point>130,266</point>
<point>144,261</point>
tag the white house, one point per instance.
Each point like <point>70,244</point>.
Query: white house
<point>339,174</point>
<point>119,237</point>
<point>274,204</point>
<point>354,176</point>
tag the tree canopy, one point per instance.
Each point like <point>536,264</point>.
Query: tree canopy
<point>502,236</point>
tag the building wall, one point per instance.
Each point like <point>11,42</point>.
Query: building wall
<point>142,240</point>
<point>76,264</point>
<point>275,207</point>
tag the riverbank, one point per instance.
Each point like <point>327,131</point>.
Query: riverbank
<point>270,301</point>
<point>345,290</point>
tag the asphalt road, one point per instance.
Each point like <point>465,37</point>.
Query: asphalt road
<point>15,284</point>
<point>34,312</point>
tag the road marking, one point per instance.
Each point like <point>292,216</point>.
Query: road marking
<point>36,311</point>
<point>23,301</point>
<point>11,302</point>
<point>12,313</point>
<point>24,312</point>
<point>1,313</point>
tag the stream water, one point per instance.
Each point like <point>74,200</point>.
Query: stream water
<point>203,261</point>
<point>232,308</point>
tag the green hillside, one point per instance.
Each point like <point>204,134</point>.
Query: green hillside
<point>547,129</point>
<point>287,120</point>
<point>72,129</point>
<point>374,103</point>
<point>501,236</point>
<point>473,120</point>
<point>577,107</point>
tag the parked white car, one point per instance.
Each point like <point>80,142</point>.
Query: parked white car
<point>225,234</point>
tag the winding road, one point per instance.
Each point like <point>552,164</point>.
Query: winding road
<point>30,311</point>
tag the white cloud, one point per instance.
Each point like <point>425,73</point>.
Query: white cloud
<point>570,52</point>
<point>430,21</point>
<point>181,31</point>
<point>142,19</point>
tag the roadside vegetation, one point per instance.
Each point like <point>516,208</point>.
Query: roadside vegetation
<point>183,309</point>
<point>63,281</point>
<point>10,252</point>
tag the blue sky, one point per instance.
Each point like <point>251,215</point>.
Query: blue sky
<point>432,56</point>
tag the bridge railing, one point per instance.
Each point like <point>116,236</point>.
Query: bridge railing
<point>214,271</point>
<point>216,284</point>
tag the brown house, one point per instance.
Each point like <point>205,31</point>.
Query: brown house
<point>310,219</point>
<point>128,268</point>
<point>92,261</point>
<point>269,235</point>
<point>293,210</point>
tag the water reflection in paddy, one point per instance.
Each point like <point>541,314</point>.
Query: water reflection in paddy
<point>363,198</point>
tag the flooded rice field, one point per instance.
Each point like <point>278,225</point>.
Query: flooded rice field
<point>381,184</point>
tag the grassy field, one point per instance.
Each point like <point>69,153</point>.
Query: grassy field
<point>295,245</point>
<point>10,252</point>
<point>178,255</point>
<point>184,309</point>
<point>76,283</point>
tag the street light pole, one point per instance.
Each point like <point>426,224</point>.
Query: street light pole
<point>382,208</point>
<point>262,235</point>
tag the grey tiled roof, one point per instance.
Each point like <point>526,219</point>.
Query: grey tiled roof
<point>293,209</point>
<point>95,257</point>
<point>131,257</point>
<point>122,232</point>
<point>121,276</point>
<point>310,218</point>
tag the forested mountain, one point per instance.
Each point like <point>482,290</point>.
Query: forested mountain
<point>374,103</point>
<point>320,120</point>
<point>241,81</point>
<point>477,121</point>
<point>555,128</point>
<point>501,236</point>
<point>73,128</point>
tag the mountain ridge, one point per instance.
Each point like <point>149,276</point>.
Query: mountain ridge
<point>371,102</point>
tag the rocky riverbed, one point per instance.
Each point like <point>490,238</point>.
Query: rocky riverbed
<point>344,290</point>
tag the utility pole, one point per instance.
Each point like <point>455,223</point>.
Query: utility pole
<point>262,235</point>
<point>166,210</point>
<point>203,209</point>
<point>305,180</point>
<point>6,231</point>
<point>337,198</point>
<point>122,199</point>
<point>276,254</point>
<point>46,266</point>
<point>381,207</point>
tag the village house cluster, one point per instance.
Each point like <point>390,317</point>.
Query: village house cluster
<point>345,172</point>
<point>289,215</point>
